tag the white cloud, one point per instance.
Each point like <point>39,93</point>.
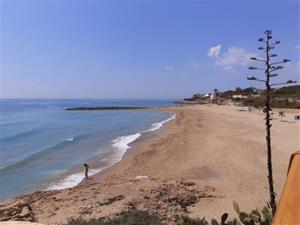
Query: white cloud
<point>232,57</point>
<point>214,51</point>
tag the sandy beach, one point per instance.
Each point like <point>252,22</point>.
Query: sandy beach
<point>216,153</point>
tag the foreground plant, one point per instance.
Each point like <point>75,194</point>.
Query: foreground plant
<point>269,68</point>
<point>131,217</point>
<point>136,217</point>
<point>255,217</point>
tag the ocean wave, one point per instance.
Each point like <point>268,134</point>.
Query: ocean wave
<point>72,180</point>
<point>40,154</point>
<point>122,143</point>
<point>70,139</point>
<point>158,125</point>
<point>20,135</point>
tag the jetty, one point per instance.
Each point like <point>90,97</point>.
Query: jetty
<point>107,108</point>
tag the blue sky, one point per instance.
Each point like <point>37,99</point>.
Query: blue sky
<point>138,49</point>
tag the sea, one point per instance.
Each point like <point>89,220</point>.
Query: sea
<point>43,146</point>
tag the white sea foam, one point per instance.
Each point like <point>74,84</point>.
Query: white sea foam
<point>70,139</point>
<point>122,143</point>
<point>157,126</point>
<point>72,180</point>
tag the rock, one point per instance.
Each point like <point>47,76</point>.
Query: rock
<point>21,211</point>
<point>25,212</point>
<point>168,199</point>
<point>111,200</point>
<point>187,183</point>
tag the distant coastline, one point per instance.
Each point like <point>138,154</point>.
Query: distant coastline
<point>106,108</point>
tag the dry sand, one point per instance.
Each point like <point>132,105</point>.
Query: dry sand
<point>221,150</point>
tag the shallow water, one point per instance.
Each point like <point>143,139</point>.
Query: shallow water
<point>40,140</point>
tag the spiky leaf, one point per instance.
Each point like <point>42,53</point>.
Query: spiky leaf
<point>254,217</point>
<point>236,222</point>
<point>265,223</point>
<point>267,214</point>
<point>256,212</point>
<point>248,221</point>
<point>214,222</point>
<point>236,207</point>
<point>243,216</point>
<point>224,218</point>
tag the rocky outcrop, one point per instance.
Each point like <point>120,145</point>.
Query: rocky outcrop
<point>21,211</point>
<point>169,199</point>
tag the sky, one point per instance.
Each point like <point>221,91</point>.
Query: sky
<point>139,49</point>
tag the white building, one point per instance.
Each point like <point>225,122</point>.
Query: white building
<point>239,96</point>
<point>207,95</point>
<point>213,96</point>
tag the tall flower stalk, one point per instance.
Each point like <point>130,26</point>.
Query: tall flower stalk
<point>269,68</point>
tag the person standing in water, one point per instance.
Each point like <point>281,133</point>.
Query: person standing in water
<point>86,171</point>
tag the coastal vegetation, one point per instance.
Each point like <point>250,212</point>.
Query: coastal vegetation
<point>137,217</point>
<point>284,97</point>
<point>131,217</point>
<point>269,68</point>
<point>83,108</point>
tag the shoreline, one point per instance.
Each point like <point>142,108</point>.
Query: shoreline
<point>146,137</point>
<point>104,161</point>
<point>74,176</point>
<point>220,149</point>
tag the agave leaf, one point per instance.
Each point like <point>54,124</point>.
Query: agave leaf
<point>267,214</point>
<point>254,217</point>
<point>256,212</point>
<point>248,220</point>
<point>243,216</point>
<point>224,217</point>
<point>236,222</point>
<point>203,221</point>
<point>236,207</point>
<point>214,222</point>
<point>265,223</point>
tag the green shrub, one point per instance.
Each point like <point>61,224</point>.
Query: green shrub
<point>256,217</point>
<point>112,200</point>
<point>188,221</point>
<point>131,217</point>
<point>136,217</point>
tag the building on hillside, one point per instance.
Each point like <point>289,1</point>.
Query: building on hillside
<point>239,96</point>
<point>213,96</point>
<point>207,95</point>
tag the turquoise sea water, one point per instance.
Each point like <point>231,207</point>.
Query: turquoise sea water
<point>40,140</point>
